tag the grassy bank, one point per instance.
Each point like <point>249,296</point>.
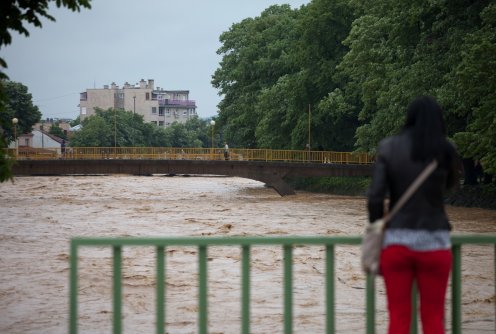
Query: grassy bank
<point>481,196</point>
<point>351,186</point>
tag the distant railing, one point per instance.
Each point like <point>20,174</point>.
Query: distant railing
<point>246,243</point>
<point>169,102</point>
<point>174,153</point>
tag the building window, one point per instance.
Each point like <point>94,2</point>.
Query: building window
<point>147,96</point>
<point>167,112</point>
<point>154,110</point>
<point>161,111</point>
<point>160,123</point>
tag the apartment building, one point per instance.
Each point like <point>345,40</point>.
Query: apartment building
<point>156,105</point>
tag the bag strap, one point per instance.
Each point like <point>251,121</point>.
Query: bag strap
<point>412,189</point>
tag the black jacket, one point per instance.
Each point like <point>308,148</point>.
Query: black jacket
<point>395,170</point>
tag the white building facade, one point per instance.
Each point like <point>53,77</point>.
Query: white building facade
<point>158,106</point>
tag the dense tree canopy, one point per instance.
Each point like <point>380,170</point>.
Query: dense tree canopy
<point>116,127</point>
<point>19,104</point>
<point>356,65</point>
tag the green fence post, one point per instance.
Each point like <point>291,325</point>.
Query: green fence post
<point>370,304</point>
<point>330,324</point>
<point>245,293</point>
<point>456,290</point>
<point>160,289</point>
<point>288,289</point>
<point>202,257</point>
<point>117,320</point>
<point>73,304</point>
<point>414,324</point>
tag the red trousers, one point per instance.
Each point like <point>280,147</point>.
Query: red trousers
<point>400,266</point>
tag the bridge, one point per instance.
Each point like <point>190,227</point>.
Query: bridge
<point>268,166</point>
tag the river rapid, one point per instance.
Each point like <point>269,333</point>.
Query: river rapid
<point>39,216</point>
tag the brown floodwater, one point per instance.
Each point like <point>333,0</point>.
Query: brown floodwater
<point>39,216</point>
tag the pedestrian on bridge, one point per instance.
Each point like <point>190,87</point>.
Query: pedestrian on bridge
<point>416,243</point>
<point>226,152</point>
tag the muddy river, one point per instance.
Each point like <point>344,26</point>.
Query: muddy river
<point>39,216</point>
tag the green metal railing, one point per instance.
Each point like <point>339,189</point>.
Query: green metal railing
<point>246,243</point>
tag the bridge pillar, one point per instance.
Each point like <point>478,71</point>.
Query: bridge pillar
<point>275,181</point>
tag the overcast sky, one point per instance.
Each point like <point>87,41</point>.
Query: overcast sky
<point>172,42</point>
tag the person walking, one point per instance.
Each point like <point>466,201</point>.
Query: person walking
<point>416,243</point>
<point>226,152</point>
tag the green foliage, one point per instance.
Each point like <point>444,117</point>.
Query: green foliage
<point>358,64</point>
<point>255,55</point>
<point>18,104</point>
<point>115,127</point>
<point>57,131</point>
<point>343,185</point>
<point>277,65</point>
<point>75,122</point>
<point>476,85</point>
<point>6,162</point>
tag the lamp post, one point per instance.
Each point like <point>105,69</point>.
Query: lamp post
<point>42,137</point>
<point>309,126</point>
<point>309,147</point>
<point>115,132</point>
<point>14,122</point>
<point>212,123</point>
<point>134,104</point>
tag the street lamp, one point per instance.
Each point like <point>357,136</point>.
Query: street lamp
<point>115,132</point>
<point>42,137</point>
<point>212,123</point>
<point>14,122</point>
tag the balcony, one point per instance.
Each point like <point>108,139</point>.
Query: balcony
<point>169,102</point>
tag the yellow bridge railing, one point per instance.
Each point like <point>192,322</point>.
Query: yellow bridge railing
<point>174,153</point>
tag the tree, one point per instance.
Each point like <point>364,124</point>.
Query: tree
<point>113,127</point>
<point>476,83</point>
<point>18,104</point>
<point>274,66</point>
<point>321,26</point>
<point>75,122</point>
<point>402,49</point>
<point>255,55</point>
<point>57,131</point>
<point>120,128</point>
<point>96,132</point>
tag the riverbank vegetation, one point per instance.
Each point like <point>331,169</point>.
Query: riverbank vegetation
<point>338,74</point>
<point>480,195</point>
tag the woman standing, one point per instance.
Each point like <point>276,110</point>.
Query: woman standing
<point>417,240</point>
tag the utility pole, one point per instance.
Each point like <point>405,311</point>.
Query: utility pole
<point>309,124</point>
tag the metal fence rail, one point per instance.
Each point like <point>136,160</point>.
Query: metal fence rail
<point>245,243</point>
<point>174,153</point>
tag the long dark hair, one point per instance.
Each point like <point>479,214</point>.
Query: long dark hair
<point>425,123</point>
